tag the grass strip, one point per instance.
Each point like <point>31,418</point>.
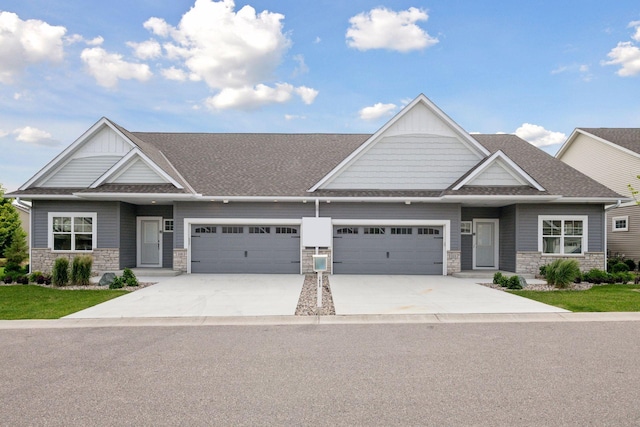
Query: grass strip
<point>605,298</point>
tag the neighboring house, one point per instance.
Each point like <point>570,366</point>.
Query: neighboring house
<point>611,156</point>
<point>419,196</point>
<point>24,212</point>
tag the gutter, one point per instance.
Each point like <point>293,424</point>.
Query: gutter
<point>617,205</point>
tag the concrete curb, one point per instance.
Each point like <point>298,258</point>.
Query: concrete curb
<point>321,320</point>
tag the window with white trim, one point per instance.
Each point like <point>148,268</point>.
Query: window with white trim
<point>72,231</point>
<point>466,227</point>
<point>562,235</point>
<point>168,226</point>
<point>620,223</point>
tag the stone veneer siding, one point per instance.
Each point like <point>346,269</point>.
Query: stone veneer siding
<point>530,262</point>
<point>307,259</point>
<point>453,262</point>
<point>42,259</point>
<point>180,259</point>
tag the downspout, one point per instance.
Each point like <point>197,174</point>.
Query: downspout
<point>606,251</point>
<point>18,201</point>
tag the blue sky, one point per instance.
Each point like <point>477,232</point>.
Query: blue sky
<point>536,69</point>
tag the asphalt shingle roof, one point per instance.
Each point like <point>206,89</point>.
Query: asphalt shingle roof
<point>628,138</point>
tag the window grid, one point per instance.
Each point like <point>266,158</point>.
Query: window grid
<point>562,236</point>
<point>347,230</point>
<point>374,230</point>
<point>428,231</point>
<point>208,229</point>
<point>286,230</point>
<point>232,230</point>
<point>401,230</point>
<point>72,233</point>
<point>259,230</point>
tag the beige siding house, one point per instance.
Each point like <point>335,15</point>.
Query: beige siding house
<point>612,157</point>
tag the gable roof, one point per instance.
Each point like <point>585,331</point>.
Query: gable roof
<point>626,139</point>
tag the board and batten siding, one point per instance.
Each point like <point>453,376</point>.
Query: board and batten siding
<point>604,163</point>
<point>166,212</point>
<point>625,242</point>
<point>400,211</point>
<point>468,214</point>
<point>205,210</point>
<point>508,238</point>
<point>139,173</point>
<point>108,220</point>
<point>128,249</point>
<point>527,223</point>
<point>408,162</point>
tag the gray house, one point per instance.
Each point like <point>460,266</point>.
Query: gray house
<point>419,196</point>
<point>611,156</point>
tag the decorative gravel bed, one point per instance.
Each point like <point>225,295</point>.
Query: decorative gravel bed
<point>308,301</point>
<point>92,287</point>
<point>545,287</point>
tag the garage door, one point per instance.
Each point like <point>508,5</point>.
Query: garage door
<point>245,249</point>
<point>387,250</point>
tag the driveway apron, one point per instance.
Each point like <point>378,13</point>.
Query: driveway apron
<point>379,294</point>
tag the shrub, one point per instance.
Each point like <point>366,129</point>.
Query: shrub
<point>47,279</point>
<point>22,280</point>
<point>33,277</point>
<point>631,264</point>
<point>12,267</point>
<point>118,282</point>
<point>129,277</point>
<point>623,277</point>
<point>60,274</point>
<point>562,272</point>
<point>497,277</point>
<point>17,251</point>
<point>619,267</point>
<point>514,283</point>
<point>595,276</point>
<point>8,279</point>
<point>81,270</point>
<point>543,270</point>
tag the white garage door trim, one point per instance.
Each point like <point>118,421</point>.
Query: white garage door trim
<point>445,224</point>
<point>188,222</point>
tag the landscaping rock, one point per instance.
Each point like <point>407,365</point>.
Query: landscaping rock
<point>523,282</point>
<point>107,279</point>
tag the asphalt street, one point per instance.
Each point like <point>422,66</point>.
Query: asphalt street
<point>506,374</point>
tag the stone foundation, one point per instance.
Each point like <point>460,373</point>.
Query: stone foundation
<point>307,259</point>
<point>180,260</point>
<point>453,262</point>
<point>530,262</point>
<point>104,259</point>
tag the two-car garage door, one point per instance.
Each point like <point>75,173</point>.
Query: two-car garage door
<point>245,249</point>
<point>387,250</point>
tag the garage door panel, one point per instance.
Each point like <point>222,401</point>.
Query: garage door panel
<point>244,249</point>
<point>391,250</point>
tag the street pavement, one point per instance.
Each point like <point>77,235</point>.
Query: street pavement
<point>431,374</point>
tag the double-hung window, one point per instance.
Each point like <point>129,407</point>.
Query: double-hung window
<point>562,235</point>
<point>72,231</point>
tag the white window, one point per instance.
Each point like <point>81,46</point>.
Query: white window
<point>620,223</point>
<point>72,231</point>
<point>562,235</point>
<point>466,227</point>
<point>168,226</point>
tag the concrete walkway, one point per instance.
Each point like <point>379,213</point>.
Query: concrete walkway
<point>197,295</point>
<point>355,294</point>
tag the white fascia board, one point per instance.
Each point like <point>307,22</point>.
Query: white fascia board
<point>605,200</point>
<point>512,198</point>
<point>575,133</point>
<point>366,145</point>
<point>123,164</point>
<point>62,158</point>
<point>494,157</point>
<point>311,198</point>
<point>156,196</point>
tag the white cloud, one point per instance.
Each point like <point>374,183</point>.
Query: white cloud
<point>34,136</point>
<point>635,25</point>
<point>302,67</point>
<point>27,42</point>
<point>249,98</point>
<point>581,69</point>
<point>226,49</point>
<point>149,49</point>
<point>3,133</point>
<point>381,28</point>
<point>376,111</point>
<point>539,136</point>
<point>294,117</point>
<point>107,68</point>
<point>173,73</point>
<point>627,55</point>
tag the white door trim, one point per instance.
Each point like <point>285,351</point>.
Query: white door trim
<point>496,240</point>
<point>139,240</point>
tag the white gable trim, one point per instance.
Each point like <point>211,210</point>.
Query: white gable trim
<point>63,158</point>
<point>577,131</point>
<point>123,164</point>
<point>468,139</point>
<point>516,171</point>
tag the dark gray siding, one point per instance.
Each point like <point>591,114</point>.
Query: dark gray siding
<point>466,249</point>
<point>127,235</point>
<point>166,212</point>
<point>236,210</point>
<point>397,211</point>
<point>508,238</point>
<point>527,223</point>
<point>108,220</point>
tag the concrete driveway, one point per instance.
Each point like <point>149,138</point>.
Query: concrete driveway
<point>197,295</point>
<point>355,294</point>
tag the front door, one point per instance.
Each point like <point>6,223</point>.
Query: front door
<point>149,242</point>
<point>485,245</point>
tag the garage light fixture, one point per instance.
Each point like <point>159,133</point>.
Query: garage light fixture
<point>408,202</point>
<point>225,201</point>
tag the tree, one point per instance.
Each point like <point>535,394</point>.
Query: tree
<point>18,251</point>
<point>634,192</point>
<point>9,221</point>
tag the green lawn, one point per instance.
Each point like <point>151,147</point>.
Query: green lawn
<point>1,272</point>
<point>599,298</point>
<point>37,302</point>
